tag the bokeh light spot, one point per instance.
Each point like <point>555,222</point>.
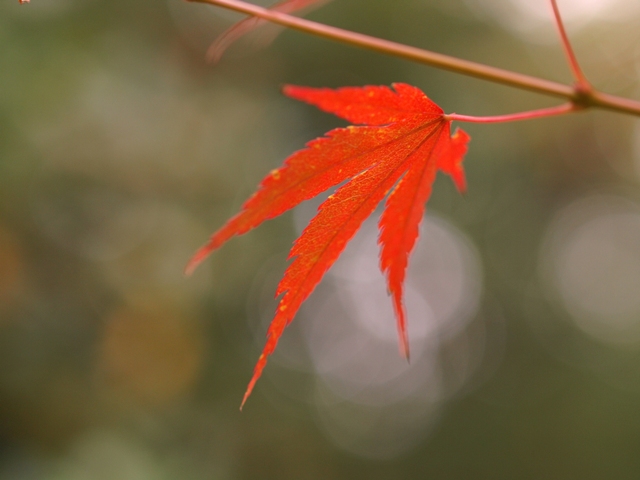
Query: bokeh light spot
<point>350,330</point>
<point>534,20</point>
<point>591,261</point>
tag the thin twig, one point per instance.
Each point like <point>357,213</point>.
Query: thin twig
<point>514,117</point>
<point>465,67</point>
<point>581,80</point>
<point>237,30</point>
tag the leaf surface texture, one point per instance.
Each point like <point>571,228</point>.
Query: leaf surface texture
<point>398,143</point>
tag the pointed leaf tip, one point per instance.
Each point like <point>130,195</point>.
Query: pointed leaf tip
<point>202,253</point>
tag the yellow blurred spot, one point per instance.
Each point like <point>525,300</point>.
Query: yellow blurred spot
<point>149,356</point>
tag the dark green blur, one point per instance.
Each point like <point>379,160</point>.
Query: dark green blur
<point>121,150</point>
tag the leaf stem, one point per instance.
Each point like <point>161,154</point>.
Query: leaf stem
<point>514,117</point>
<point>572,93</point>
<point>582,84</point>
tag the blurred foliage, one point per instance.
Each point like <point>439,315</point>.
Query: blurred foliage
<point>121,150</point>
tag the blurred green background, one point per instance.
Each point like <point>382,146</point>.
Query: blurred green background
<point>121,150</point>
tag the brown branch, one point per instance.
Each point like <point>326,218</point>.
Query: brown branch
<point>576,95</point>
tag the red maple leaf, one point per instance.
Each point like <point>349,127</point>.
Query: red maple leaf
<point>402,143</point>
